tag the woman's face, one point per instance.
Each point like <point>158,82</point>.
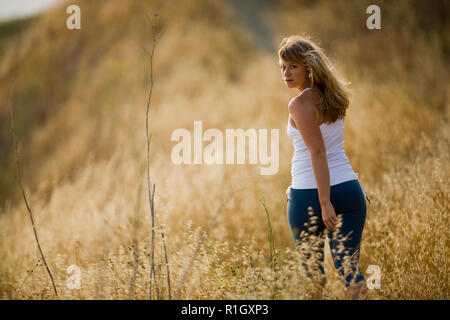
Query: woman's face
<point>294,74</point>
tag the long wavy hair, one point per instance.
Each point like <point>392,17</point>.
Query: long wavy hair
<point>333,92</point>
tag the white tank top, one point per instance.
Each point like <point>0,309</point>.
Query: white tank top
<point>339,166</point>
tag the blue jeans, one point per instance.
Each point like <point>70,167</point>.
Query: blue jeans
<point>349,204</point>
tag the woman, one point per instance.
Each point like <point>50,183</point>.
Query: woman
<point>322,177</point>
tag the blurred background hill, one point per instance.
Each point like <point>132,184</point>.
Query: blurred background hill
<point>79,98</point>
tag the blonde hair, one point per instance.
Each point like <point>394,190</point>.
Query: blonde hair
<point>332,91</point>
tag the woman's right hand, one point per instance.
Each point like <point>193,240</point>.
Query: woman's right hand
<point>329,217</point>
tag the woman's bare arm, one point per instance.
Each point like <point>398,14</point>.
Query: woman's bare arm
<point>302,110</point>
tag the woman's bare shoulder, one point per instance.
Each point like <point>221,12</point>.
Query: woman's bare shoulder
<point>308,100</point>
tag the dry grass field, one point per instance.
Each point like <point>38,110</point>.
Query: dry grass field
<point>79,98</point>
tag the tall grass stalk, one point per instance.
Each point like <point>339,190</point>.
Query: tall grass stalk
<point>19,180</point>
<point>151,193</point>
<point>167,265</point>
<point>270,238</point>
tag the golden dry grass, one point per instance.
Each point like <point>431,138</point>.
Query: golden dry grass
<point>85,161</point>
